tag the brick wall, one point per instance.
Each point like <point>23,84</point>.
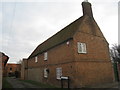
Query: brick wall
<point>60,56</point>
<point>95,66</point>
<point>15,67</point>
<point>35,74</point>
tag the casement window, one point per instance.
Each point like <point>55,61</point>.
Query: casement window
<point>45,73</point>
<point>45,56</point>
<point>58,72</point>
<point>81,47</point>
<point>36,59</point>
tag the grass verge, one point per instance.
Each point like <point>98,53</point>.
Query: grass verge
<point>5,84</point>
<point>39,84</point>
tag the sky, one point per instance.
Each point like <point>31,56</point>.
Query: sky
<point>119,22</point>
<point>24,24</point>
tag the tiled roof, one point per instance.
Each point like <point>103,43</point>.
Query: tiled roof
<point>60,37</point>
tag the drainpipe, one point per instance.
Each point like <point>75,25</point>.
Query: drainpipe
<point>118,72</point>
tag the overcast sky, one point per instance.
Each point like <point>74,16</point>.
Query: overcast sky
<point>25,24</point>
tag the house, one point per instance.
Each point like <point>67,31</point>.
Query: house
<point>3,60</point>
<point>78,51</point>
<point>12,68</point>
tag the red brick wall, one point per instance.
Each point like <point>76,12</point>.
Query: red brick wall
<point>15,67</point>
<point>95,66</point>
<point>60,56</point>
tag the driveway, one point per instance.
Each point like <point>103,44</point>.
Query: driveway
<point>20,84</point>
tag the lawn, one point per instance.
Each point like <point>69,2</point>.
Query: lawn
<point>5,84</point>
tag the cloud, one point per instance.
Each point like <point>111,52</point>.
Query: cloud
<point>30,23</point>
<point>119,22</point>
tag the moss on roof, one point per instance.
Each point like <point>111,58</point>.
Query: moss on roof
<point>61,36</point>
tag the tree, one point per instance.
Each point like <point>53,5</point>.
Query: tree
<point>115,53</point>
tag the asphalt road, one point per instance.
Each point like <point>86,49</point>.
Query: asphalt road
<point>19,84</point>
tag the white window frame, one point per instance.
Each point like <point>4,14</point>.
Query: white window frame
<point>45,56</point>
<point>82,47</point>
<point>45,73</point>
<point>36,59</point>
<point>58,73</point>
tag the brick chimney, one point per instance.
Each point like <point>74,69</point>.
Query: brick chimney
<point>87,10</point>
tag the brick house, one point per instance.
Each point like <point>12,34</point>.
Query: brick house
<point>3,60</point>
<point>79,51</point>
<point>11,68</point>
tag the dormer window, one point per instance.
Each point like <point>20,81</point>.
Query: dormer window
<point>81,47</point>
<point>36,59</point>
<point>45,56</point>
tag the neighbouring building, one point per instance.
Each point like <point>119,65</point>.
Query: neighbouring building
<point>78,51</point>
<point>3,60</point>
<point>24,68</point>
<point>12,68</point>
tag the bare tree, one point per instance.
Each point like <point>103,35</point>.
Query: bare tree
<point>115,53</point>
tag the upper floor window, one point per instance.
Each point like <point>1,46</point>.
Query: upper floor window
<point>81,47</point>
<point>36,59</point>
<point>45,56</point>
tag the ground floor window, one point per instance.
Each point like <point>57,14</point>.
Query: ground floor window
<point>45,72</point>
<point>58,72</point>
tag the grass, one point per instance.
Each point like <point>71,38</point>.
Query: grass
<point>5,84</point>
<point>38,84</point>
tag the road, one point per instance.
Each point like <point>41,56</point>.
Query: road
<point>16,83</point>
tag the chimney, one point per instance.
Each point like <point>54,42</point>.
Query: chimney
<point>87,10</point>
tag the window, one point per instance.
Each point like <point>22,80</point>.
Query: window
<point>36,59</point>
<point>58,73</point>
<point>10,68</point>
<point>81,48</point>
<point>45,73</point>
<point>45,56</point>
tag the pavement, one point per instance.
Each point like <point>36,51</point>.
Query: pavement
<point>16,83</point>
<point>114,85</point>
